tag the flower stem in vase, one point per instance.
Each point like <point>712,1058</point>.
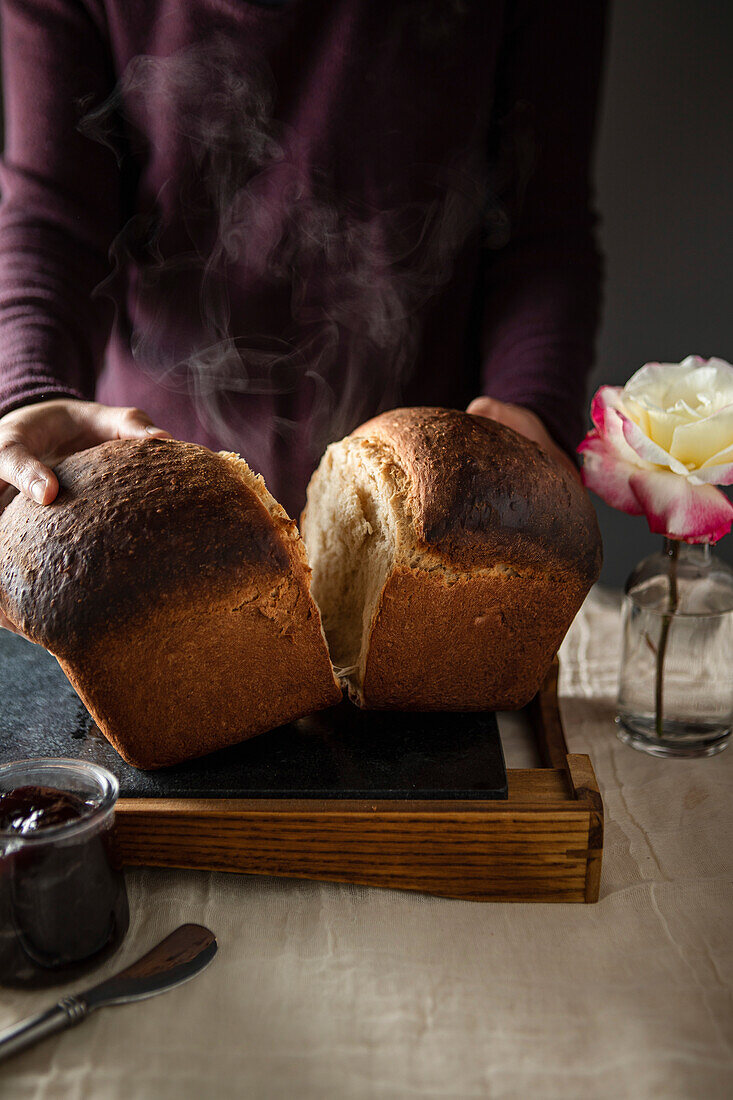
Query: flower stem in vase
<point>672,548</point>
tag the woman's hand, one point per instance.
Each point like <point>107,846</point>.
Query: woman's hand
<point>526,423</point>
<point>35,437</point>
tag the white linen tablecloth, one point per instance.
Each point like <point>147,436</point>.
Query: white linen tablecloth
<point>324,991</point>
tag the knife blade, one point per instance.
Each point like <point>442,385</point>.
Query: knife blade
<point>176,959</point>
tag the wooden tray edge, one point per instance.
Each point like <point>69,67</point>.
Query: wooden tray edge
<point>544,843</point>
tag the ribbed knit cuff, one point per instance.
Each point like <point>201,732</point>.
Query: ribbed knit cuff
<point>34,390</point>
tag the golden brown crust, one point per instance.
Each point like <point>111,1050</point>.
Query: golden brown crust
<point>135,521</point>
<point>482,642</point>
<point>174,594</point>
<point>203,676</point>
<point>480,493</point>
<point>503,546</point>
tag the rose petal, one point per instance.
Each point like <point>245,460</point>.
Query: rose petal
<point>650,384</point>
<point>692,389</point>
<point>650,451</point>
<point>703,391</point>
<point>710,382</point>
<point>694,443</point>
<point>718,470</point>
<point>723,368</point>
<point>661,425</point>
<point>676,508</point>
<point>697,386</point>
<point>608,415</point>
<point>630,407</point>
<point>606,397</point>
<point>607,474</point>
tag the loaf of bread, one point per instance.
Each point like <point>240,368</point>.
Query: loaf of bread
<point>449,557</point>
<point>174,592</point>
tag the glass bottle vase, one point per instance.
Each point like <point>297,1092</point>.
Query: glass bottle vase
<point>676,681</point>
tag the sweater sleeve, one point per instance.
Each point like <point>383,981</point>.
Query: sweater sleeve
<point>544,284</point>
<point>60,203</point>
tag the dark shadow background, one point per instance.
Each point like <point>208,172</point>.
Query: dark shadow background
<point>664,172</point>
<point>664,175</point>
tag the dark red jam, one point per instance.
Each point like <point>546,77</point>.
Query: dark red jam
<point>63,903</point>
<point>28,809</point>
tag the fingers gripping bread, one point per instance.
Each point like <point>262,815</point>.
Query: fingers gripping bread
<point>449,557</point>
<point>174,592</point>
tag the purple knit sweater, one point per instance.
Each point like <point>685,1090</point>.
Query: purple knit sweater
<point>263,223</point>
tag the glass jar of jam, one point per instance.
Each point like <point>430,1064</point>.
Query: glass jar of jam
<point>63,902</point>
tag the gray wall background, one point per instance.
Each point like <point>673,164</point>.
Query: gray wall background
<point>664,172</point>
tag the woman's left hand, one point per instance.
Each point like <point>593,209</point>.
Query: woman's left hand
<point>526,423</point>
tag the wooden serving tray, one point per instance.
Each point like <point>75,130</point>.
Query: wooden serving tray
<point>415,802</point>
<point>543,843</point>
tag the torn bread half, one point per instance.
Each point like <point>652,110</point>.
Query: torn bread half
<point>174,592</point>
<point>449,557</point>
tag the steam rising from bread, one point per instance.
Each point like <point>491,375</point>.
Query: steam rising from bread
<point>352,279</point>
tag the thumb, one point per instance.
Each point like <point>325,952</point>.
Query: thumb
<point>5,624</point>
<point>115,422</point>
<point>20,467</point>
<point>486,406</point>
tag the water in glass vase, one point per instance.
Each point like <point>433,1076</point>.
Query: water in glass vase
<point>676,681</point>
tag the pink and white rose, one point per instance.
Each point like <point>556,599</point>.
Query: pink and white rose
<point>661,444</point>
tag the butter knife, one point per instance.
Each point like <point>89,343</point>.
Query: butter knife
<point>177,958</point>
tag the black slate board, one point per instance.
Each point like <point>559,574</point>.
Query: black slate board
<point>343,752</point>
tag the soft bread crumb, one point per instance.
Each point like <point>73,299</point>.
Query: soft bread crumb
<point>351,527</point>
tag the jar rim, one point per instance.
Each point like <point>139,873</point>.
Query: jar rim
<point>106,783</point>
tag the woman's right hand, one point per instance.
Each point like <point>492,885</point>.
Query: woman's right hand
<point>35,437</point>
